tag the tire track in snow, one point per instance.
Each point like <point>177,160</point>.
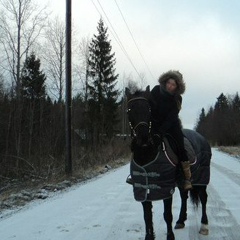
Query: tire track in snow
<point>222,222</point>
<point>235,177</point>
<point>125,225</point>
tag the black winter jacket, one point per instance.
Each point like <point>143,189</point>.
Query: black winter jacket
<point>165,108</point>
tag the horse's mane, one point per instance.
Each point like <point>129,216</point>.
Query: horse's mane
<point>138,92</point>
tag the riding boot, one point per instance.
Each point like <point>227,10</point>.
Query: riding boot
<point>187,175</point>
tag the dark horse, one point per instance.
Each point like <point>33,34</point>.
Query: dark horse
<point>155,170</point>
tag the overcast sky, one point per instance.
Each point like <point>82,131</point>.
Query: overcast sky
<point>200,38</point>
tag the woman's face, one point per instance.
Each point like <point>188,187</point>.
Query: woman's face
<point>171,86</point>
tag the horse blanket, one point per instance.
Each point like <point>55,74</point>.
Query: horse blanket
<point>157,179</point>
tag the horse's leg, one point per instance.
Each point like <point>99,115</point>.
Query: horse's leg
<point>204,221</point>
<point>183,211</point>
<point>148,218</point>
<point>168,217</point>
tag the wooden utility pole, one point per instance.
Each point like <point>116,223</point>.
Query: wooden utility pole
<point>68,109</point>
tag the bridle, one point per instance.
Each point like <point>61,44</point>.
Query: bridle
<point>142,123</point>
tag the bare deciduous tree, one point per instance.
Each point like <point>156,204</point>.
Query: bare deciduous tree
<point>54,56</point>
<point>21,23</point>
<point>82,70</point>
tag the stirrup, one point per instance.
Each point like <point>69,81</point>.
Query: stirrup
<point>129,180</point>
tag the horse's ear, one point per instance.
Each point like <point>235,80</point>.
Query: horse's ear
<point>127,91</point>
<point>147,92</point>
<point>148,89</point>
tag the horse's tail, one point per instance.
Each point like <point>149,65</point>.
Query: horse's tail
<point>194,196</point>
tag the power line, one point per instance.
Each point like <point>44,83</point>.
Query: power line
<point>115,35</point>
<point>134,39</point>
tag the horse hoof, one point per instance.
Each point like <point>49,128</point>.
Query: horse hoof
<point>204,231</point>
<point>170,236</point>
<point>179,226</point>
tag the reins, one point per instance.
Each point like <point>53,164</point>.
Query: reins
<point>133,128</point>
<point>137,98</point>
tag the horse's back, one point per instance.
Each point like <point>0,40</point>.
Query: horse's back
<point>199,143</point>
<point>202,149</point>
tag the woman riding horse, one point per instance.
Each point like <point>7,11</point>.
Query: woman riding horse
<point>153,166</point>
<point>165,105</point>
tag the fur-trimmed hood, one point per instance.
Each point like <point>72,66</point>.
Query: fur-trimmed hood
<point>177,76</point>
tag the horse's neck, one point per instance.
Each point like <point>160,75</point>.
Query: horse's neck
<point>144,155</point>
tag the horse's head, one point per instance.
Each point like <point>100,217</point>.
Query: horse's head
<point>139,116</point>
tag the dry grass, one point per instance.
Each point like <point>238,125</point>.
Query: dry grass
<point>233,151</point>
<point>86,166</point>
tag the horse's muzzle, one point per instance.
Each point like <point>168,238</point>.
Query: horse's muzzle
<point>144,141</point>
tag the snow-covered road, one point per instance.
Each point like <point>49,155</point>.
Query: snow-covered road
<point>104,209</point>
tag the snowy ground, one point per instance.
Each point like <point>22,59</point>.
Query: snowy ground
<point>104,209</point>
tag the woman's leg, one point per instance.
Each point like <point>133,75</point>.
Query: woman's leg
<point>177,134</point>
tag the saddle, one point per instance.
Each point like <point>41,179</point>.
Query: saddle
<point>199,154</point>
<point>171,152</point>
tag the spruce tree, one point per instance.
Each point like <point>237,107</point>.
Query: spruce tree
<point>222,119</point>
<point>236,103</point>
<point>235,116</point>
<point>33,97</point>
<point>32,78</point>
<point>103,94</point>
<point>200,124</point>
<point>222,103</point>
